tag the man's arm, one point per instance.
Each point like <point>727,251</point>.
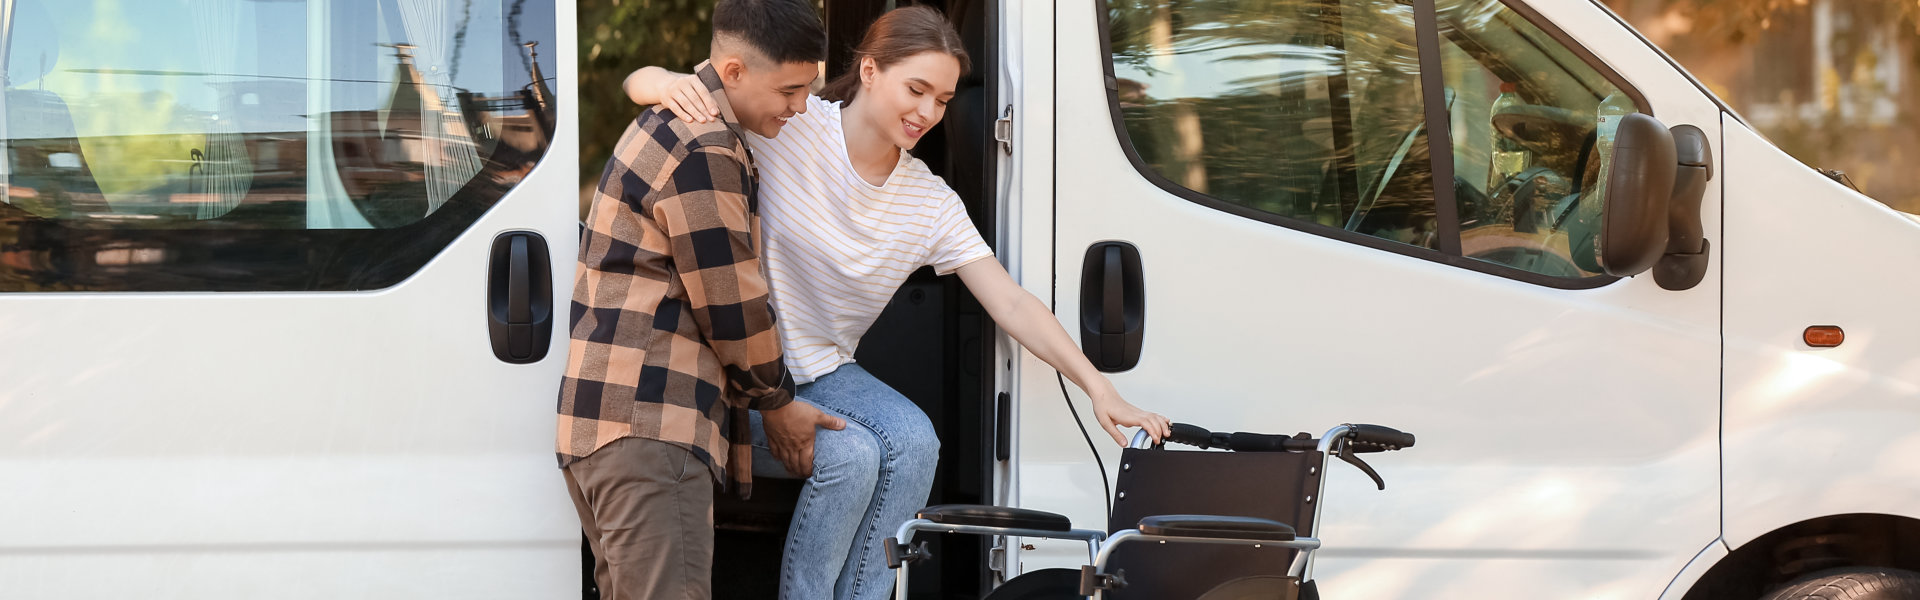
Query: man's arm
<point>704,214</point>
<point>710,237</point>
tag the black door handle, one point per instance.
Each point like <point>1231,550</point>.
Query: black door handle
<point>1112,306</point>
<point>520,297</point>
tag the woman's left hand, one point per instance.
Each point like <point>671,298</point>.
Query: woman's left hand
<point>1115,412</point>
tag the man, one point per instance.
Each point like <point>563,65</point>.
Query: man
<point>673,336</point>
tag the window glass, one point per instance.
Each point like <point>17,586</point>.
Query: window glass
<point>1531,125</point>
<point>1305,109</point>
<point>240,145</point>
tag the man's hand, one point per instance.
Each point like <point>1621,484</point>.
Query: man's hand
<point>790,433</point>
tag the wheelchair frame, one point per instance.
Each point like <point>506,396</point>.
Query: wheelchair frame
<point>1095,581</point>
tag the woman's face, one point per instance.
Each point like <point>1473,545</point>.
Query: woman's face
<point>910,96</point>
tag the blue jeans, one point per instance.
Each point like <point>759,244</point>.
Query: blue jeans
<point>867,480</point>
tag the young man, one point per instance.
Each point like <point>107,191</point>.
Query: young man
<point>673,337</point>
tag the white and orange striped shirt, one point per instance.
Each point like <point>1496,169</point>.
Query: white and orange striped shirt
<point>837,247</point>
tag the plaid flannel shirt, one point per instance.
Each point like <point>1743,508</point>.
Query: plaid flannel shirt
<point>673,337</point>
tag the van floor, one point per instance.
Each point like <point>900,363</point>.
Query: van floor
<point>752,547</point>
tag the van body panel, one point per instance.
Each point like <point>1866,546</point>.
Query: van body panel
<point>1812,432</point>
<point>1549,419</point>
<point>1695,570</point>
<point>295,445</point>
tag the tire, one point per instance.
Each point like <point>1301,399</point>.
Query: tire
<point>1044,584</point>
<point>1853,583</point>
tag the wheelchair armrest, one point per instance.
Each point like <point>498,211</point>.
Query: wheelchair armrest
<point>1211,526</point>
<point>984,515</point>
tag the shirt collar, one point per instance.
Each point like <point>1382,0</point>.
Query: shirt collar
<point>711,77</point>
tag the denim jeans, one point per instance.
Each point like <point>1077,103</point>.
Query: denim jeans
<point>867,480</point>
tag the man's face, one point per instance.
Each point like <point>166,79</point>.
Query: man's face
<point>764,94</point>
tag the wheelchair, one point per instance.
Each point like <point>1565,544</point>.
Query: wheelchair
<point>1184,524</point>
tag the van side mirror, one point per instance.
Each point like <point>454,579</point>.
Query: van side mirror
<point>1634,213</point>
<point>1685,262</point>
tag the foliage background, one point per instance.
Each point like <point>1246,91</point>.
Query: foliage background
<point>616,37</point>
<point>1858,112</point>
<point>1835,83</point>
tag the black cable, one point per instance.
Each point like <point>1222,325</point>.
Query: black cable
<point>1104,486</point>
<point>1053,292</point>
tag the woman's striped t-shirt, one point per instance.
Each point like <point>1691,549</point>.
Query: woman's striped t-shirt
<point>838,247</point>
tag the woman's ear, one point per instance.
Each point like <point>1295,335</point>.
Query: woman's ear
<point>868,70</point>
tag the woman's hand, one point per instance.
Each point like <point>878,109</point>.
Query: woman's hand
<point>1114,412</point>
<point>689,99</point>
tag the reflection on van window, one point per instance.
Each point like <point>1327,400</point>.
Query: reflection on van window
<point>1532,124</point>
<point>1308,109</point>
<point>213,145</point>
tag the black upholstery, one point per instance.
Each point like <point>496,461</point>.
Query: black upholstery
<point>1214,526</point>
<point>1269,486</point>
<point>1261,587</point>
<point>995,516</point>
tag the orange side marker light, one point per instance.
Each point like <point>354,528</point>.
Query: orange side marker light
<point>1824,336</point>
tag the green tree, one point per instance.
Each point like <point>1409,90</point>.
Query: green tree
<point>616,37</point>
<point>1760,57</point>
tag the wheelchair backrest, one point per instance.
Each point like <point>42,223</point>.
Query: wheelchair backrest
<point>1271,485</point>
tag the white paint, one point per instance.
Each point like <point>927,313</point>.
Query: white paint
<point>1569,439</point>
<point>1814,432</point>
<point>294,445</point>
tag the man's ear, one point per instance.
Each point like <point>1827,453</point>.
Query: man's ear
<point>730,68</point>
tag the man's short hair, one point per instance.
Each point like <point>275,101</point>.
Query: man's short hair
<point>784,31</point>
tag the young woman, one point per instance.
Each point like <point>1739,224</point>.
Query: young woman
<point>848,214</point>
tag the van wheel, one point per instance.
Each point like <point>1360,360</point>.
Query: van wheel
<point>1853,583</point>
<point>1044,584</point>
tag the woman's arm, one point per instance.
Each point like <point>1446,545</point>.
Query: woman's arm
<point>1030,323</point>
<point>678,92</point>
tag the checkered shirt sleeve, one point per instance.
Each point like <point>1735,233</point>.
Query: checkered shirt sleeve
<point>672,333</point>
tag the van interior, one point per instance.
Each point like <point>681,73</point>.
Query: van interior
<point>932,343</point>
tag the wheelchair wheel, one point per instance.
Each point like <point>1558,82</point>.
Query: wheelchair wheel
<point>1044,584</point>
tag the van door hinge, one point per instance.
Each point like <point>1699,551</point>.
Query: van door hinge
<point>997,558</point>
<point>1003,130</point>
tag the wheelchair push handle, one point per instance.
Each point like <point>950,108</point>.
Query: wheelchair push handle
<point>1359,438</point>
<point>1192,435</point>
<point>1262,442</point>
<point>1199,437</point>
<point>1377,438</point>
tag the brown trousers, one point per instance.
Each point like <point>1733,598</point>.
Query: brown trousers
<point>647,509</point>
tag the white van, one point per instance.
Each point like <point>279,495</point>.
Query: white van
<point>247,249</point>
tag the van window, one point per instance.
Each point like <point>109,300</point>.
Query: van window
<point>1531,128</point>
<point>1313,111</point>
<point>1307,109</point>
<point>237,145</point>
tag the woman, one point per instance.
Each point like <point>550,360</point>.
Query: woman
<point>848,214</point>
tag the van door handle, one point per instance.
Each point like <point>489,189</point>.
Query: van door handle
<point>1112,306</point>
<point>520,297</point>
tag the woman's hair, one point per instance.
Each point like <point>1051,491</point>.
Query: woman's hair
<point>900,34</point>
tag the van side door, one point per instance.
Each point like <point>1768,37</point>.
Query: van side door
<point>281,286</point>
<point>1382,211</point>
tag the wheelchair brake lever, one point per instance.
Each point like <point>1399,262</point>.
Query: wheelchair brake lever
<point>1347,455</point>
